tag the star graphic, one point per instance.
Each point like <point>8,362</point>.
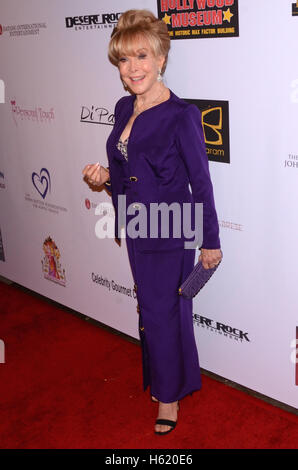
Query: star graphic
<point>227,15</point>
<point>167,19</point>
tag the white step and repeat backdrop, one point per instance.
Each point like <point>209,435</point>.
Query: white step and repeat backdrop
<point>238,62</point>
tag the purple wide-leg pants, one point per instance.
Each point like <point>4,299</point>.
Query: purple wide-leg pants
<point>169,353</point>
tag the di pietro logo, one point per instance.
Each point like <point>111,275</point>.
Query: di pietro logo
<point>189,19</point>
<point>97,115</point>
<point>215,122</point>
<point>295,8</point>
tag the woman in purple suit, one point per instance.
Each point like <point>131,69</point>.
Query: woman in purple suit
<point>155,151</point>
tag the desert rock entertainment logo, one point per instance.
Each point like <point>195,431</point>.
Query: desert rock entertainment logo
<point>87,22</point>
<point>51,266</point>
<point>2,257</point>
<point>215,121</point>
<point>295,8</point>
<point>190,19</point>
<point>220,328</point>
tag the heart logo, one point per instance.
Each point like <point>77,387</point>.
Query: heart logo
<point>41,182</point>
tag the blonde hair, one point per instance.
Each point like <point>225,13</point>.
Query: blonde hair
<point>134,25</point>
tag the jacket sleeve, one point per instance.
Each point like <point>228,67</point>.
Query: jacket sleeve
<point>191,146</point>
<point>108,184</point>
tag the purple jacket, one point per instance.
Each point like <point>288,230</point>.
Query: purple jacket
<point>166,152</point>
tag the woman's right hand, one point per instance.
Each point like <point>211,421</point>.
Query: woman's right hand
<point>96,174</point>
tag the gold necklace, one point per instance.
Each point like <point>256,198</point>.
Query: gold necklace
<point>139,111</point>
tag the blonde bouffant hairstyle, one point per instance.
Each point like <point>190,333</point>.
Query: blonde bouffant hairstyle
<point>134,25</point>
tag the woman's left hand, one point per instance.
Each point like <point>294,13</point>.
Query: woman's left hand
<point>210,258</point>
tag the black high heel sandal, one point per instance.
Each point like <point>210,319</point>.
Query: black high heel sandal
<point>167,422</point>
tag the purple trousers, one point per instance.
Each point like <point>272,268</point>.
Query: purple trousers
<point>169,353</point>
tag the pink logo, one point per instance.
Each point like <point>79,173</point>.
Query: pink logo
<point>37,114</point>
<point>51,265</point>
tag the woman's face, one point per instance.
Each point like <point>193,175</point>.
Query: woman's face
<point>139,71</point>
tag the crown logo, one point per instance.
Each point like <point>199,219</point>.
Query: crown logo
<point>51,266</point>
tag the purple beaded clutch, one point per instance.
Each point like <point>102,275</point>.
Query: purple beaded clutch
<point>196,280</point>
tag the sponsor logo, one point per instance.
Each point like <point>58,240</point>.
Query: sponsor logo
<point>230,225</point>
<point>189,19</point>
<point>294,92</point>
<point>295,8</point>
<point>2,182</point>
<point>294,355</point>
<point>291,161</point>
<point>27,29</point>
<point>220,328</point>
<point>215,122</point>
<point>2,92</point>
<point>2,257</point>
<point>37,114</point>
<point>45,206</point>
<point>87,22</point>
<point>42,182</point>
<point>113,286</point>
<point>93,205</point>
<point>51,266</point>
<point>97,115</point>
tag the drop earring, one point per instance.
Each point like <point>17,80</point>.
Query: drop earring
<point>159,76</point>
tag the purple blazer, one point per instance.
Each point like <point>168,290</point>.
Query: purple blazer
<point>166,153</point>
